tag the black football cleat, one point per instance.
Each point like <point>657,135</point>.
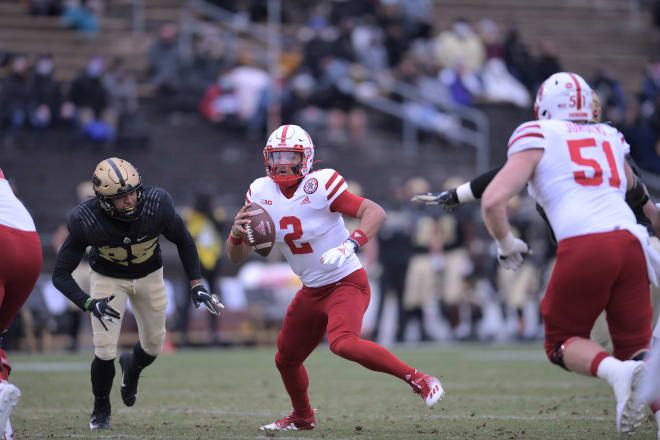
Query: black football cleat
<point>101,415</point>
<point>129,380</point>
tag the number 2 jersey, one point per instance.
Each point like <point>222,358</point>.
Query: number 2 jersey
<point>306,226</point>
<point>119,249</point>
<point>580,181</point>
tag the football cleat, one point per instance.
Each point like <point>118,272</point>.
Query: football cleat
<point>129,381</point>
<point>9,395</point>
<point>428,387</point>
<point>101,415</point>
<point>629,411</point>
<point>292,423</point>
<point>9,432</point>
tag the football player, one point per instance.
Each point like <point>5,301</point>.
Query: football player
<point>578,174</point>
<point>307,208</point>
<point>20,265</point>
<point>123,224</point>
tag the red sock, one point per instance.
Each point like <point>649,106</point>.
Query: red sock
<point>372,356</point>
<point>296,382</point>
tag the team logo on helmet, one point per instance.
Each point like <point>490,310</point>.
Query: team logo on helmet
<point>311,185</point>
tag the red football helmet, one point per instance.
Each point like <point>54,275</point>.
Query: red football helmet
<point>289,146</point>
<point>565,96</point>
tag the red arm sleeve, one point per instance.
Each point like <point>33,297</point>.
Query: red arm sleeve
<point>347,204</point>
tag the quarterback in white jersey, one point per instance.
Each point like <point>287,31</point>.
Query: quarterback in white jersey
<point>577,173</point>
<point>20,265</point>
<point>307,209</point>
<point>306,225</point>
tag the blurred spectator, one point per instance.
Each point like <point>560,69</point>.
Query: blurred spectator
<point>204,224</point>
<point>464,87</point>
<point>50,8</point>
<point>460,45</point>
<point>124,116</point>
<point>251,88</point>
<point>517,57</point>
<point>391,21</point>
<point>491,38</point>
<point>500,86</point>
<point>46,103</point>
<point>82,15</point>
<point>368,46</point>
<point>165,64</point>
<point>651,84</point>
<point>642,139</point>
<point>547,63</point>
<point>92,102</point>
<point>610,92</point>
<point>219,104</point>
<point>14,97</point>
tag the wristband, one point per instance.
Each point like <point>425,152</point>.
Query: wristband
<point>464,193</point>
<point>233,239</point>
<point>359,237</point>
<point>89,300</point>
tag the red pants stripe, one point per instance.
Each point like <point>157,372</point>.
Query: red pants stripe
<point>596,272</point>
<point>337,309</point>
<point>20,264</point>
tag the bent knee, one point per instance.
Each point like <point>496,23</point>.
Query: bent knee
<point>106,352</point>
<point>153,344</point>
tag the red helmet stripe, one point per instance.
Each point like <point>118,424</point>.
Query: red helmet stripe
<point>579,91</point>
<point>332,179</point>
<point>2,176</point>
<point>283,137</point>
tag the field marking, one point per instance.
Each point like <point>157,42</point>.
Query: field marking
<point>50,367</point>
<point>374,417</point>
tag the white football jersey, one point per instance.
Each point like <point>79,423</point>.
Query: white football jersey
<point>580,181</point>
<point>305,227</point>
<point>12,212</point>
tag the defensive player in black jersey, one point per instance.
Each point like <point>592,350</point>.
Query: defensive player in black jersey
<point>122,225</point>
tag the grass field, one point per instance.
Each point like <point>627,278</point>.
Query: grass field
<point>502,392</point>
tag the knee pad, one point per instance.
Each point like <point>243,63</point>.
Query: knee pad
<point>153,344</point>
<point>106,352</point>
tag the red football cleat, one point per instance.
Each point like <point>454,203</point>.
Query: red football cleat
<point>292,423</point>
<point>428,387</point>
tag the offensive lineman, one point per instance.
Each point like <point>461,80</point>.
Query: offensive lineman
<point>578,174</point>
<point>20,265</point>
<point>307,209</point>
<point>122,224</point>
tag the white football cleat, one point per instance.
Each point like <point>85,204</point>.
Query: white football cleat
<point>292,423</point>
<point>9,395</point>
<point>9,432</point>
<point>629,410</point>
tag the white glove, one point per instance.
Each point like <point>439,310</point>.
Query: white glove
<point>338,256</point>
<point>511,251</point>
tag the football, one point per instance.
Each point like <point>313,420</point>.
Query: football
<point>261,230</point>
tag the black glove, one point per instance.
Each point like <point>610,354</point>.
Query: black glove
<point>448,199</point>
<point>200,295</point>
<point>100,308</point>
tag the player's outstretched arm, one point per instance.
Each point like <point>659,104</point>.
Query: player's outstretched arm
<point>237,247</point>
<point>507,183</point>
<point>467,192</point>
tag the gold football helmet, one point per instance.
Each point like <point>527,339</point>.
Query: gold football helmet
<point>596,108</point>
<point>114,177</point>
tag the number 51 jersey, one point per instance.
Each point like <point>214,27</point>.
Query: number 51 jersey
<point>580,181</point>
<point>305,225</point>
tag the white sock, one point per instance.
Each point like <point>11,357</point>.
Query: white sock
<point>608,367</point>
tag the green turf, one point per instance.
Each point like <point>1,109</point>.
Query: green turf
<point>503,392</point>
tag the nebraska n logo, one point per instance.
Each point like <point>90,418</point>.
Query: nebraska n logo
<point>306,201</point>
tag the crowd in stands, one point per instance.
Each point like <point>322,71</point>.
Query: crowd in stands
<point>439,267</point>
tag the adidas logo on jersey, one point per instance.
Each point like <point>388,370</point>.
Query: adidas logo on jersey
<point>306,201</point>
